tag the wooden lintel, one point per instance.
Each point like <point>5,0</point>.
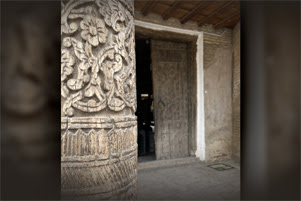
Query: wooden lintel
<point>189,15</point>
<point>148,7</point>
<point>205,20</point>
<point>171,10</point>
<point>226,20</point>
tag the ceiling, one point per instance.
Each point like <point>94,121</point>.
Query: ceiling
<point>219,13</point>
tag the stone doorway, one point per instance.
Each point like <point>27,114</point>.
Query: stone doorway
<point>166,96</point>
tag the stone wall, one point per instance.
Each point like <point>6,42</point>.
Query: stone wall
<point>217,84</point>
<point>236,94</point>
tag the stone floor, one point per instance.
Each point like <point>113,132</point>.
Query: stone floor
<point>192,181</point>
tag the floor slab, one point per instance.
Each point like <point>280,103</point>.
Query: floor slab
<point>190,181</point>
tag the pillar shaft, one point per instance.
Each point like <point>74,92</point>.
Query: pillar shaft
<point>98,90</point>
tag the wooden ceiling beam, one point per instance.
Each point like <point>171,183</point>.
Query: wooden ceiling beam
<point>205,20</point>
<point>227,20</point>
<point>189,15</point>
<point>171,9</point>
<point>148,7</point>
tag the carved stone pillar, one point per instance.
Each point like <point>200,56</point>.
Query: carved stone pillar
<point>98,89</point>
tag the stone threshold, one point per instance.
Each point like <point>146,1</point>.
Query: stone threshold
<point>167,163</point>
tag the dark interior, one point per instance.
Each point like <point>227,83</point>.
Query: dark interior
<point>146,125</point>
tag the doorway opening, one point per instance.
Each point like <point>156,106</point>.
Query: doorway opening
<point>166,80</point>
<point>145,106</point>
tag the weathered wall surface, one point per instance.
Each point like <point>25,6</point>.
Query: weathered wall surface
<point>218,96</point>
<point>98,89</point>
<point>217,85</point>
<point>236,94</point>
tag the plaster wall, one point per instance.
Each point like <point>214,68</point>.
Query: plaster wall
<point>236,94</point>
<point>218,96</point>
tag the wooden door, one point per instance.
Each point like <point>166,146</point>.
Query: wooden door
<point>169,71</point>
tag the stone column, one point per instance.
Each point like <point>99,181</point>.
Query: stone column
<point>98,100</point>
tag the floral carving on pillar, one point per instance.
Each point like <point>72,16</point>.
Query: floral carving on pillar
<point>98,98</point>
<point>97,56</point>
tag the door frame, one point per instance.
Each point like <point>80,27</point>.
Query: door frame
<point>162,32</point>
